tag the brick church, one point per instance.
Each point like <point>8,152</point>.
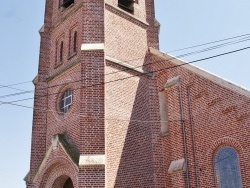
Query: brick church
<point>111,110</point>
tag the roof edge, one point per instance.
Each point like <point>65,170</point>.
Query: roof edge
<point>203,73</point>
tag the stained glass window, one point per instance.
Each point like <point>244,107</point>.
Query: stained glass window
<point>227,170</point>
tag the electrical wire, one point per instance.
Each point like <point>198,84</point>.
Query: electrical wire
<point>204,44</point>
<point>127,61</point>
<point>20,83</point>
<point>167,68</point>
<point>186,54</point>
<point>191,53</point>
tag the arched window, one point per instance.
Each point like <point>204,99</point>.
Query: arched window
<point>61,52</point>
<point>75,41</point>
<point>227,170</point>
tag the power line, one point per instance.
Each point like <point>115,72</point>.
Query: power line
<point>3,86</point>
<point>193,53</point>
<point>15,94</point>
<point>211,57</point>
<point>204,44</point>
<point>180,56</point>
<point>20,83</point>
<point>79,115</point>
<point>230,38</point>
<point>108,119</point>
<point>187,54</point>
<point>167,68</point>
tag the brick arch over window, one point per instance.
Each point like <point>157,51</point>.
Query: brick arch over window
<point>222,142</point>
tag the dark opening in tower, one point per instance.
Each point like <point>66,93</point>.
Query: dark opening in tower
<point>127,5</point>
<point>67,3</point>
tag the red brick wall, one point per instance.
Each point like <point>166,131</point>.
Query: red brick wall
<point>58,122</point>
<point>38,145</point>
<point>84,122</point>
<point>128,135</point>
<point>129,130</point>
<point>220,118</point>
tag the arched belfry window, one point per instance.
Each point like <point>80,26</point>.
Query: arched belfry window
<point>127,5</point>
<point>227,170</point>
<point>67,3</point>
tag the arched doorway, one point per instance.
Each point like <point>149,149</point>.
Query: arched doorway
<point>68,184</point>
<point>63,182</point>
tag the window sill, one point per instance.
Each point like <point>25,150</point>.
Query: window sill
<point>71,55</point>
<point>57,64</point>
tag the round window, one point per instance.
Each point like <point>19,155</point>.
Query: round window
<point>66,101</point>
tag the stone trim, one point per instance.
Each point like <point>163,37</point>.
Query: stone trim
<point>177,166</point>
<point>126,65</point>
<point>215,79</point>
<point>27,177</point>
<point>92,160</point>
<point>163,104</point>
<point>171,82</point>
<point>163,113</point>
<point>92,47</point>
<point>35,80</point>
<point>41,30</point>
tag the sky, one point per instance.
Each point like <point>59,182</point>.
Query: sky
<point>183,24</point>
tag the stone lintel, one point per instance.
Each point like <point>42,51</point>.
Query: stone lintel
<point>92,47</point>
<point>41,30</point>
<point>177,165</point>
<point>163,113</point>
<point>92,160</point>
<point>171,82</point>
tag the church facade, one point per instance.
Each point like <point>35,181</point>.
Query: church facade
<point>112,110</point>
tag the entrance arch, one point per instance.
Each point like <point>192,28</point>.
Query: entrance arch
<point>68,183</point>
<point>63,182</point>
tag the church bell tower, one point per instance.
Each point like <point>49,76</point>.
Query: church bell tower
<point>83,42</point>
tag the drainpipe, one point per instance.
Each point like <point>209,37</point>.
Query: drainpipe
<point>176,81</point>
<point>193,135</point>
